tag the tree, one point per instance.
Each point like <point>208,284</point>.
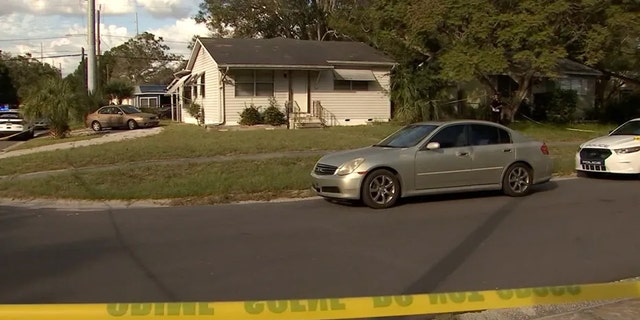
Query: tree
<point>298,19</point>
<point>8,93</point>
<point>522,39</point>
<point>55,100</point>
<point>118,89</point>
<point>25,72</point>
<point>142,59</point>
<point>415,84</point>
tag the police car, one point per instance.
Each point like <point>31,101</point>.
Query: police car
<point>618,152</point>
<point>12,123</point>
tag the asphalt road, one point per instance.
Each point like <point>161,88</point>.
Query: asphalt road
<point>573,231</point>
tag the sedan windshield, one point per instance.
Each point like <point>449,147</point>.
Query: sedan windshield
<point>630,128</point>
<point>408,136</point>
<point>130,109</point>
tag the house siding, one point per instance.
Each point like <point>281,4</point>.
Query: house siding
<point>235,105</point>
<point>353,107</point>
<point>211,101</point>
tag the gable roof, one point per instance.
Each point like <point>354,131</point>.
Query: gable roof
<point>286,52</point>
<point>571,67</point>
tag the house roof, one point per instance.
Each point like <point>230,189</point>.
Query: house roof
<point>150,89</point>
<point>570,67</point>
<point>285,52</point>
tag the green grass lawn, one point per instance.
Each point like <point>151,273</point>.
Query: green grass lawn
<point>221,181</point>
<point>49,140</point>
<point>191,184</point>
<point>563,133</point>
<point>185,183</point>
<point>189,141</point>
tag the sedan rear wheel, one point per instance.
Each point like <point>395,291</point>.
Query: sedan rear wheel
<point>380,189</point>
<point>96,126</point>
<point>517,180</point>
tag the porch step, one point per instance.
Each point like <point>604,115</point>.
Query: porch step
<point>309,122</point>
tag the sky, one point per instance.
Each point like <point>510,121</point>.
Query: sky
<point>53,29</point>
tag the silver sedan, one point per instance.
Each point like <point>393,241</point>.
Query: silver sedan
<point>435,157</point>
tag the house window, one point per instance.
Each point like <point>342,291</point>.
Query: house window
<point>148,102</point>
<point>579,85</point>
<point>254,83</point>
<point>347,85</point>
<point>202,85</point>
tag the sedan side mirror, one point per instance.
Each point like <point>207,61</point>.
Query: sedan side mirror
<point>120,112</point>
<point>433,145</point>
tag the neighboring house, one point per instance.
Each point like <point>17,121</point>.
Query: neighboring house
<point>335,83</point>
<point>148,96</point>
<point>570,75</point>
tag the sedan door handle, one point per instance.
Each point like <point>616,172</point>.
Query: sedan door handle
<point>462,154</point>
<point>506,150</point>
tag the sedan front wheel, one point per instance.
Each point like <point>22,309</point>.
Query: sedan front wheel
<point>381,189</point>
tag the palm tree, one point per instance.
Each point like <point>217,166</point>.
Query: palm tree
<point>53,99</point>
<point>119,89</point>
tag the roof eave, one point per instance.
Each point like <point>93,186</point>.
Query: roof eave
<point>275,66</point>
<point>362,63</point>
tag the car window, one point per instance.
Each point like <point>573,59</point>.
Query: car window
<point>629,128</point>
<point>487,135</point>
<point>408,136</point>
<point>104,111</point>
<point>505,137</point>
<point>130,109</point>
<point>451,137</point>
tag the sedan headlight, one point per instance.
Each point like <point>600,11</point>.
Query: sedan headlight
<point>627,150</point>
<point>349,166</point>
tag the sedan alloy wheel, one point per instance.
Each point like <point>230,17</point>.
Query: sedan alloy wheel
<point>380,189</point>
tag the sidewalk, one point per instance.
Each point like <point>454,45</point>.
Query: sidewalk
<point>112,136</point>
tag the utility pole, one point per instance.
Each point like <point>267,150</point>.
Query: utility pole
<point>84,69</point>
<point>137,31</point>
<point>91,42</point>
<point>98,78</point>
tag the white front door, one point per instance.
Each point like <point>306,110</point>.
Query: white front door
<point>300,89</point>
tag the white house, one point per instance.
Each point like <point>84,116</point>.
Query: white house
<point>332,82</point>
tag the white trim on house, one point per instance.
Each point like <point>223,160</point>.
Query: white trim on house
<point>178,84</point>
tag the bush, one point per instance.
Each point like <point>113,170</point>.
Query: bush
<point>250,116</point>
<point>623,109</point>
<point>193,109</point>
<point>273,116</point>
<point>557,106</point>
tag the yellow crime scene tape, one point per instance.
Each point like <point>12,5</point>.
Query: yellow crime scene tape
<point>330,308</point>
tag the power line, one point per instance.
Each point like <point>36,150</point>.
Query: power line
<point>42,38</point>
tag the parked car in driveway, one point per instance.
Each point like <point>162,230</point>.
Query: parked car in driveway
<point>120,116</point>
<point>617,153</point>
<point>435,157</point>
